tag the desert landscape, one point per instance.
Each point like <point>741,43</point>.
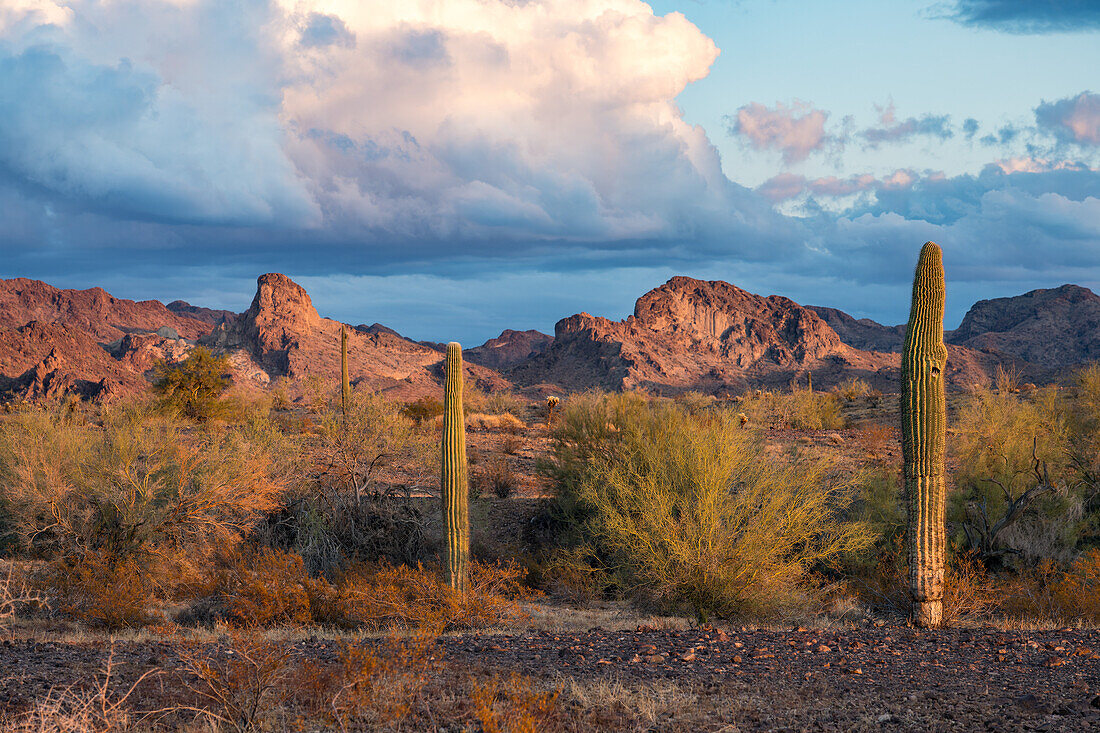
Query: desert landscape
<point>204,530</point>
<point>549,366</point>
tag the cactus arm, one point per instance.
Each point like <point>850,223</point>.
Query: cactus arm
<point>923,430</point>
<point>455,484</point>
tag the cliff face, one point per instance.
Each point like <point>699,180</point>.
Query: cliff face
<point>93,312</point>
<point>285,336</point>
<point>695,334</point>
<point>1050,329</point>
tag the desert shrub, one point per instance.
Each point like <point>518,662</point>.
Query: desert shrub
<point>852,388</point>
<point>689,509</point>
<point>351,450</point>
<point>192,387</point>
<point>260,586</point>
<point>503,421</point>
<point>511,704</point>
<point>240,685</point>
<point>696,402</point>
<point>132,487</point>
<point>880,507</point>
<point>1056,594</point>
<point>128,510</point>
<point>971,593</point>
<point>330,530</point>
<point>496,403</point>
<point>1076,591</point>
<point>370,685</point>
<point>1006,445</point>
<point>388,596</point>
<point>497,477</point>
<point>511,444</point>
<point>90,589</point>
<point>423,409</point>
<point>800,409</point>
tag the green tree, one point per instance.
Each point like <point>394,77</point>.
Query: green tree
<point>192,387</point>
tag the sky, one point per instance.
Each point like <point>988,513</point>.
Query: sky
<point>451,168</point>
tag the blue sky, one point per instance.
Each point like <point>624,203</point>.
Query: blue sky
<point>455,167</point>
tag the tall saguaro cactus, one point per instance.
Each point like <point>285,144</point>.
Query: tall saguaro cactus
<point>456,514</point>
<point>923,432</point>
<point>345,381</point>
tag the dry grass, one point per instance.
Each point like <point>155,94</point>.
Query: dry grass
<point>800,409</point>
<point>94,709</point>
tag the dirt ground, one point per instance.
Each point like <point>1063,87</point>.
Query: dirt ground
<point>700,679</point>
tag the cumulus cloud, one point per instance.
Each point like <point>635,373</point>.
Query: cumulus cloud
<point>1072,120</point>
<point>796,130</point>
<point>892,130</point>
<point>457,142</point>
<point>1028,16</point>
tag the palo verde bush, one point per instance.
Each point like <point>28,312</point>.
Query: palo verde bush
<point>689,511</point>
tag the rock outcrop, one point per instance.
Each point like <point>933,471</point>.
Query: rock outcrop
<point>509,349</point>
<point>862,333</point>
<point>214,317</point>
<point>93,312</point>
<point>714,336</point>
<point>284,335</point>
<point>695,334</point>
<point>1050,329</point>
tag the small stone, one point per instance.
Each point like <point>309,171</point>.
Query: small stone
<point>886,718</point>
<point>655,659</point>
<point>737,659</point>
<point>1054,662</point>
<point>635,659</point>
<point>824,649</point>
<point>688,656</point>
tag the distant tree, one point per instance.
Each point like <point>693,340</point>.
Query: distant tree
<point>192,387</point>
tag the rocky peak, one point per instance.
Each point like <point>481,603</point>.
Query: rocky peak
<point>281,302</point>
<point>1055,328</point>
<point>509,348</point>
<point>735,322</point>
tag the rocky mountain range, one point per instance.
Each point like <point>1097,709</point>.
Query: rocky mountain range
<point>685,334</point>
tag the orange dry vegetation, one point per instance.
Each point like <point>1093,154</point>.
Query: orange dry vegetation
<point>266,587</point>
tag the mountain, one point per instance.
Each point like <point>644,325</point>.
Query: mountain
<point>93,312</point>
<point>509,349</point>
<point>695,334</point>
<point>207,315</point>
<point>862,333</point>
<point>285,337</point>
<point>1051,329</point>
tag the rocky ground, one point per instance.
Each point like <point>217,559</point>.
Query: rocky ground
<point>707,678</point>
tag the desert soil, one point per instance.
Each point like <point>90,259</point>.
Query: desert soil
<point>707,678</point>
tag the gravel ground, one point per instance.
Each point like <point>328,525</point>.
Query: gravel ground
<point>888,678</point>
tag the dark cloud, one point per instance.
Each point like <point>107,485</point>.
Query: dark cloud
<point>1028,16</point>
<point>970,128</point>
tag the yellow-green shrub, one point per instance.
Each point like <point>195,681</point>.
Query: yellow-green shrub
<point>690,511</point>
